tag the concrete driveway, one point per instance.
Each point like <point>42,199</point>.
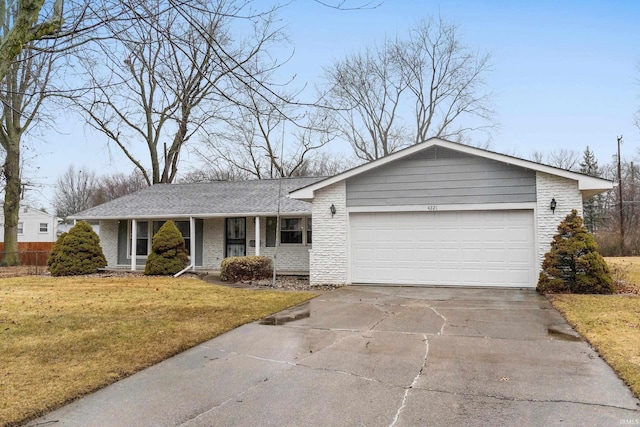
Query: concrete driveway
<point>378,356</point>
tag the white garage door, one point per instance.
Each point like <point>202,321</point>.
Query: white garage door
<point>468,248</point>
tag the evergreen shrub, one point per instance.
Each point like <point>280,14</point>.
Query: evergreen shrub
<point>168,252</point>
<point>76,252</point>
<point>574,265</point>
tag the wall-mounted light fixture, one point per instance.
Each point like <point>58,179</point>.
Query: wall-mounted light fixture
<point>332,208</point>
<point>553,205</point>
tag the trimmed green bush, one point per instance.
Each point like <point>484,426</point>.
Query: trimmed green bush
<point>76,252</point>
<point>574,265</point>
<point>168,253</point>
<point>240,268</point>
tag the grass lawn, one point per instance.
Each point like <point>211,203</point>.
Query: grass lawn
<point>611,323</point>
<point>61,338</point>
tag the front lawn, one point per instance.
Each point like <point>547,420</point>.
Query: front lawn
<point>611,323</point>
<point>61,338</point>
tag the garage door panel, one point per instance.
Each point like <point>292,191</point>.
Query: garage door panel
<point>519,256</point>
<point>478,248</point>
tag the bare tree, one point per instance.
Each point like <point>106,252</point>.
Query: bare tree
<point>325,164</point>
<point>267,135</point>
<point>20,27</point>
<point>537,156</point>
<point>564,159</point>
<point>111,187</point>
<point>446,81</point>
<point>78,190</point>
<point>214,172</point>
<point>366,89</point>
<point>430,76</point>
<point>35,37</point>
<point>180,70</point>
<point>25,76</point>
<point>74,191</point>
<point>346,5</point>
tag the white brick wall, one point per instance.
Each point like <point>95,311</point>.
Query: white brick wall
<point>109,241</point>
<point>290,257</point>
<point>567,196</point>
<point>328,257</point>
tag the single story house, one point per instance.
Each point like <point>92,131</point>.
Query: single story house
<point>217,220</point>
<point>436,213</point>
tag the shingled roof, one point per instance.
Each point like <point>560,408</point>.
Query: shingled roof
<point>207,199</point>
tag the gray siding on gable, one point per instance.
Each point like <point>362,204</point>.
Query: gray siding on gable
<point>438,176</point>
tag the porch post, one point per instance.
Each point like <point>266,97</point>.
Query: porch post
<point>134,241</point>
<point>257,236</point>
<point>192,242</point>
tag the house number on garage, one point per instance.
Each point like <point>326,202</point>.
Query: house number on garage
<point>432,207</point>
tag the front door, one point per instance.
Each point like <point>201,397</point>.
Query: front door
<point>236,237</point>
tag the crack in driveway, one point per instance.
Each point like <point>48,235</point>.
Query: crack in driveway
<point>413,383</point>
<point>518,399</point>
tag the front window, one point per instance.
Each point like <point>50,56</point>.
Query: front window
<point>20,228</point>
<point>44,227</point>
<point>295,230</point>
<point>142,238</point>
<point>291,230</point>
<point>145,230</point>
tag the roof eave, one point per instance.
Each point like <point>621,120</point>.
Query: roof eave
<point>187,216</point>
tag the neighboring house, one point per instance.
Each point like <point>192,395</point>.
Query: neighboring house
<point>217,219</point>
<point>436,213</point>
<point>34,225</point>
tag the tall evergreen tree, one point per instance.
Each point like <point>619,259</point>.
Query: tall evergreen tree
<point>592,207</point>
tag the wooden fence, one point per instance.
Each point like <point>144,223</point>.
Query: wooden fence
<point>32,253</point>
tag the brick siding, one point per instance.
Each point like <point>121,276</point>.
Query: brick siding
<point>329,255</point>
<point>568,197</point>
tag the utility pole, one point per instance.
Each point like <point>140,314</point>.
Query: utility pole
<point>620,199</point>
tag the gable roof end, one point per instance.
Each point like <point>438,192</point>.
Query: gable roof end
<point>588,185</point>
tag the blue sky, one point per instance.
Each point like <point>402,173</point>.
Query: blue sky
<point>563,73</point>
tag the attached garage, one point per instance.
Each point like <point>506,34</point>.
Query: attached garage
<point>440,214</point>
<point>469,248</point>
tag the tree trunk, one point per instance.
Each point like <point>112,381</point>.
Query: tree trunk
<point>11,201</point>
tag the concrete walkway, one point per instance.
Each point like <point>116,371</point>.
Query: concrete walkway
<point>378,356</point>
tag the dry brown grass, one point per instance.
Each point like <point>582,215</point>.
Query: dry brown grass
<point>61,338</point>
<point>611,324</point>
<point>626,273</point>
<point>22,270</point>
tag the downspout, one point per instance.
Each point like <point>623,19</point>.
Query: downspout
<point>181,272</point>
